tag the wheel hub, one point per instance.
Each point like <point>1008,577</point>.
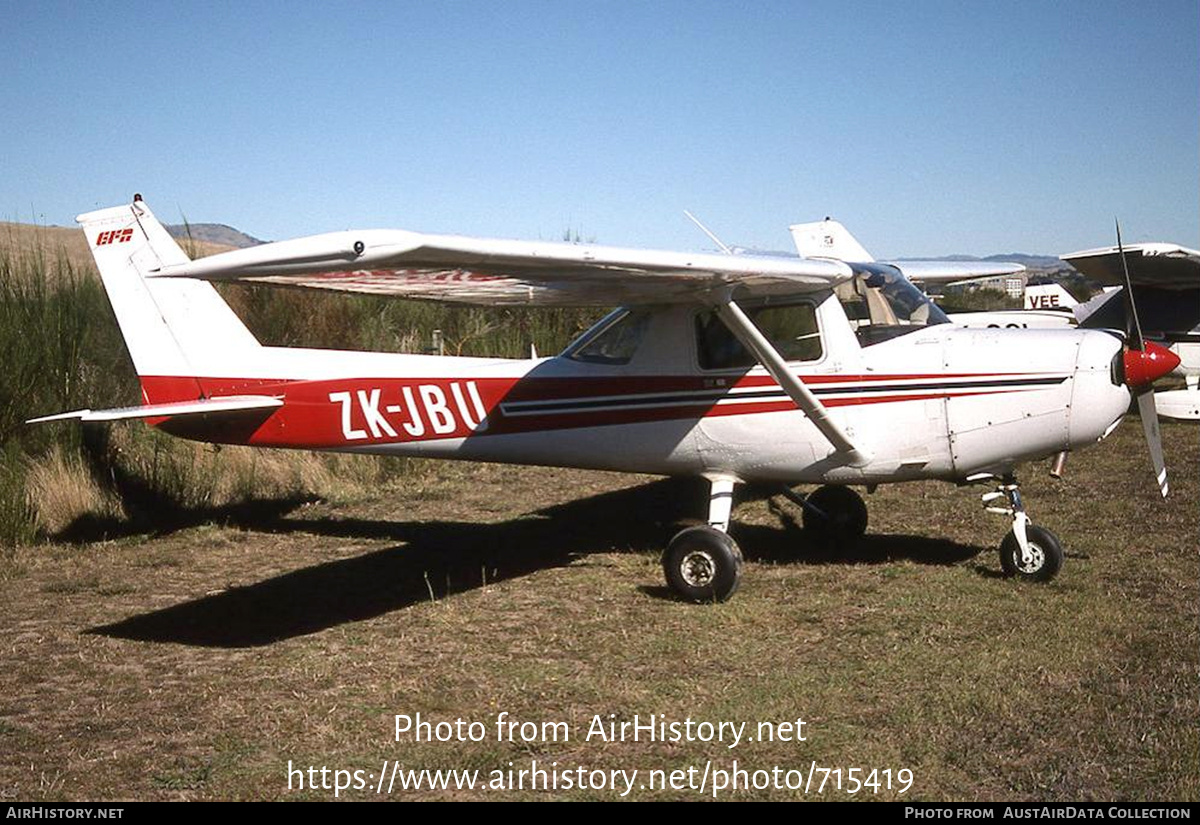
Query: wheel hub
<point>698,568</point>
<point>1032,561</point>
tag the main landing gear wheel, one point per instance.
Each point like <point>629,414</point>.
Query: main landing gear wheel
<point>702,564</point>
<point>835,515</point>
<point>1045,555</point>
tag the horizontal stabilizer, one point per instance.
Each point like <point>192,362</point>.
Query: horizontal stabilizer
<point>205,406</point>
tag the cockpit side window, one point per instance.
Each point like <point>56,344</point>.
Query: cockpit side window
<point>791,329</point>
<point>881,304</point>
<point>612,341</point>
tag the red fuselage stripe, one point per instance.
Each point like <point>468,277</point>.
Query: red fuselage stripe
<point>361,412</point>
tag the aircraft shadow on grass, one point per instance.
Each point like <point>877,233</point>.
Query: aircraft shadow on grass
<point>434,559</point>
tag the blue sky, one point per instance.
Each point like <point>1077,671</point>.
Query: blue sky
<point>928,128</point>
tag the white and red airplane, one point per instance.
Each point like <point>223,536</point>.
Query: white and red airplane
<point>728,367</point>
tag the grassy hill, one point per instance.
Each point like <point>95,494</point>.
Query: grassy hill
<point>216,234</point>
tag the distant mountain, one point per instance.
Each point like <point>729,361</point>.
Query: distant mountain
<point>1042,263</point>
<point>1031,261</point>
<point>214,233</point>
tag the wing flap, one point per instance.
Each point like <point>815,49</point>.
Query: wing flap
<point>205,406</point>
<point>489,271</point>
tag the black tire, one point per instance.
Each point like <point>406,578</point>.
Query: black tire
<point>845,515</point>
<point>702,564</point>
<point>1043,545</point>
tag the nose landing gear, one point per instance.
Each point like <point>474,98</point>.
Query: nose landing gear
<point>1028,552</point>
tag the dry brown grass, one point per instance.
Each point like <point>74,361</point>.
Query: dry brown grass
<point>60,491</point>
<point>140,480</point>
<point>51,241</point>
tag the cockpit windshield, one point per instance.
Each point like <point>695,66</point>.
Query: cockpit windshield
<point>613,340</point>
<point>882,304</point>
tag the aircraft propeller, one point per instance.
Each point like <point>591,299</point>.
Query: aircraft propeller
<point>1144,363</point>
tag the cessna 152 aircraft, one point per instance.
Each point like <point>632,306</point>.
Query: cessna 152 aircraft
<point>728,367</point>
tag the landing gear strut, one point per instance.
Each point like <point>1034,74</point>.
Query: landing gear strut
<point>1029,552</point>
<point>703,564</point>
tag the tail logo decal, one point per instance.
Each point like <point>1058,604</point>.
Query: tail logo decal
<point>114,236</point>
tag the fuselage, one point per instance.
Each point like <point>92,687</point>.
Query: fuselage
<point>651,395</point>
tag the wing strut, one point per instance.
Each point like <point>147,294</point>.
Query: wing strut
<point>750,336</point>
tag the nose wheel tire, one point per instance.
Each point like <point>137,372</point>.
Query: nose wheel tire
<point>1045,555</point>
<point>702,564</point>
<point>835,515</point>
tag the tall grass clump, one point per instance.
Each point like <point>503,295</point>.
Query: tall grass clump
<point>312,318</point>
<point>59,350</point>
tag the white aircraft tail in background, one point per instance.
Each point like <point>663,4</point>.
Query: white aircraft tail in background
<point>828,239</point>
<point>1048,295</point>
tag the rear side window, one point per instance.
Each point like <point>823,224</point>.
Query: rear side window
<point>791,329</point>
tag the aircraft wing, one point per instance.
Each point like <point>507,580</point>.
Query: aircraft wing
<point>491,272</point>
<point>1161,265</point>
<point>955,272</point>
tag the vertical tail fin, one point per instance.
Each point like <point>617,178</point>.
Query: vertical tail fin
<point>172,328</point>
<point>1048,295</point>
<point>828,239</point>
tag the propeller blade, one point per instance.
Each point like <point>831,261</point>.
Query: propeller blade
<point>1144,363</point>
<point>1149,416</point>
<point>1133,327</point>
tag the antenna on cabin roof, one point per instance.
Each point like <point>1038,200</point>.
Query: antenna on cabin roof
<point>706,231</point>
